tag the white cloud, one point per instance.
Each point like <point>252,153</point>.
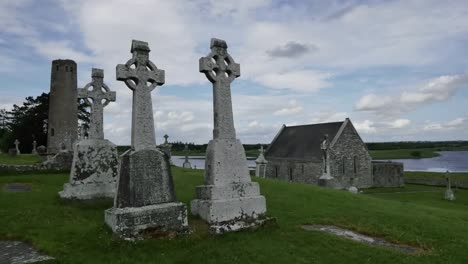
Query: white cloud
<point>372,102</point>
<point>457,123</point>
<point>325,117</point>
<point>438,89</point>
<point>365,127</point>
<point>292,109</point>
<point>400,123</point>
<point>299,81</point>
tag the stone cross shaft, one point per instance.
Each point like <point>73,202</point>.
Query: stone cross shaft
<point>100,96</point>
<point>221,69</point>
<point>141,76</point>
<point>17,144</point>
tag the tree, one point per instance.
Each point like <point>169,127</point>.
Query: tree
<point>27,122</point>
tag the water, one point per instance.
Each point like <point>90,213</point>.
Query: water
<point>454,161</point>
<point>199,161</point>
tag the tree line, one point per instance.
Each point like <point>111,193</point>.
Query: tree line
<point>28,122</point>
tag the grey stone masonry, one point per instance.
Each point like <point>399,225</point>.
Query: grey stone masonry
<point>145,197</point>
<point>228,200</point>
<point>63,107</point>
<point>95,163</point>
<point>100,95</point>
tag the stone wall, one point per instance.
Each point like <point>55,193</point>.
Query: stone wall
<point>350,161</point>
<point>388,174</point>
<point>294,170</point>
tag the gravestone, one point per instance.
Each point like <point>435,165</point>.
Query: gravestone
<point>34,148</point>
<point>12,152</point>
<point>145,197</point>
<point>449,195</point>
<point>166,147</point>
<point>325,180</point>
<point>95,163</point>
<point>261,163</point>
<point>17,147</point>
<point>228,200</point>
<point>186,163</point>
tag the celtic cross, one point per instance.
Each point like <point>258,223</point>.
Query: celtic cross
<point>141,76</point>
<point>165,139</point>
<point>221,69</point>
<point>100,96</point>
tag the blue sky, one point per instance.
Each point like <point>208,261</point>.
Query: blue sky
<point>398,69</point>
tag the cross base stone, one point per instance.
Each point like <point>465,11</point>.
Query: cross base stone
<point>230,207</point>
<point>85,191</point>
<point>94,170</point>
<point>449,195</point>
<point>130,222</point>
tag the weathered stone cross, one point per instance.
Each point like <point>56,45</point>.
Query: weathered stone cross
<point>17,146</point>
<point>165,139</point>
<point>100,95</point>
<point>141,76</point>
<point>261,150</point>
<point>220,69</point>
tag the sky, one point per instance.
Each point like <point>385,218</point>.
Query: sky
<point>397,69</point>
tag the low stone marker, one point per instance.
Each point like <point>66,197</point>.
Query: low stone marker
<point>95,163</point>
<point>145,199</point>
<point>449,195</point>
<point>16,187</point>
<point>228,200</point>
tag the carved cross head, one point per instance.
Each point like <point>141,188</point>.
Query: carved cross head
<point>139,71</point>
<point>97,90</point>
<point>165,139</point>
<point>219,66</point>
<point>16,142</point>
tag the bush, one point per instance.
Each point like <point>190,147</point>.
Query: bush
<point>416,154</point>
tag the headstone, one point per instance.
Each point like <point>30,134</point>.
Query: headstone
<point>186,164</point>
<point>166,148</point>
<point>34,148</point>
<point>12,152</point>
<point>17,147</point>
<point>261,164</point>
<point>63,107</point>
<point>42,151</point>
<point>95,163</point>
<point>449,195</point>
<point>228,200</point>
<point>325,180</point>
<point>353,189</point>
<point>145,197</point>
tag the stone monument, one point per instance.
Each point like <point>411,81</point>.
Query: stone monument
<point>186,163</point>
<point>63,106</point>
<point>261,164</point>
<point>95,160</point>
<point>34,148</point>
<point>145,197</point>
<point>326,179</point>
<point>17,146</point>
<point>166,148</point>
<point>228,200</point>
<point>449,195</point>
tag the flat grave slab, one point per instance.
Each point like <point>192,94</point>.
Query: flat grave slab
<point>338,231</point>
<point>17,187</point>
<point>17,252</point>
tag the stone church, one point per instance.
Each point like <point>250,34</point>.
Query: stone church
<point>328,154</point>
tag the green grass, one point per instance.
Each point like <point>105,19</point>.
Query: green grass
<point>23,159</point>
<point>74,232</point>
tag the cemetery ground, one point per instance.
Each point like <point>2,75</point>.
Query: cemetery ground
<point>74,231</point>
<point>23,159</point>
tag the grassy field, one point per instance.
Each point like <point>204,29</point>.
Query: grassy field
<point>23,159</point>
<point>414,153</point>
<point>74,232</point>
<point>248,153</point>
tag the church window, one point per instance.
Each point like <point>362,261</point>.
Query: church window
<point>290,174</point>
<point>355,164</point>
<point>343,165</point>
<point>276,171</point>
<point>52,132</point>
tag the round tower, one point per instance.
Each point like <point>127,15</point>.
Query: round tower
<point>63,107</point>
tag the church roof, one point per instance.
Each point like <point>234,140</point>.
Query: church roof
<point>302,142</point>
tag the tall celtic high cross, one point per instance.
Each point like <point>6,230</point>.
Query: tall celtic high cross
<point>221,69</point>
<point>100,96</point>
<point>165,139</point>
<point>141,76</point>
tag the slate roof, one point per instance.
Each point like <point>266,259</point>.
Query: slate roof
<point>302,142</point>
